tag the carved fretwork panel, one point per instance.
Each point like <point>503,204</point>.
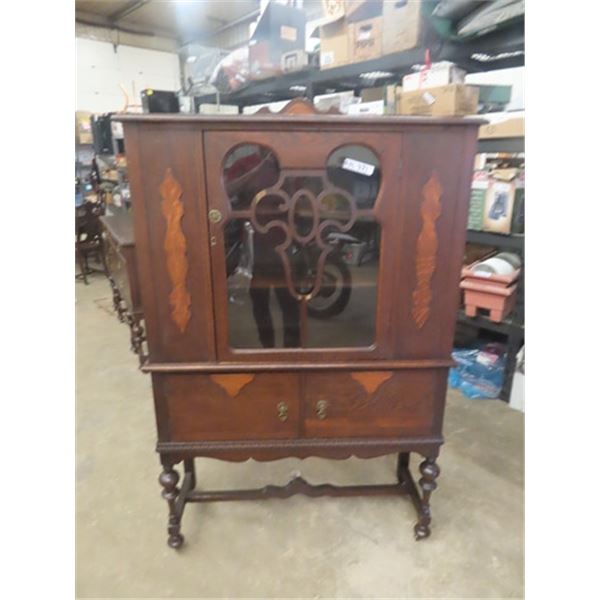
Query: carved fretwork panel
<point>305,217</point>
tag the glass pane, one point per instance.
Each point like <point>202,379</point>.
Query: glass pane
<point>302,262</point>
<point>355,169</point>
<point>248,169</point>
<point>342,314</point>
<point>262,311</point>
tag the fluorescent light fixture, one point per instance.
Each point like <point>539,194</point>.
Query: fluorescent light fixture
<point>376,75</point>
<point>489,58</point>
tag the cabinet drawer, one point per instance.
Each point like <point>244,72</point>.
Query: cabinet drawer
<point>231,406</point>
<point>372,403</point>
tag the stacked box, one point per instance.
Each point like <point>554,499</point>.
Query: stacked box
<point>479,189</point>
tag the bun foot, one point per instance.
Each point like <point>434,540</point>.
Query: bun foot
<point>175,541</point>
<point>421,532</point>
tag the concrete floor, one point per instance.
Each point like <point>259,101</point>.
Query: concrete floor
<point>297,548</point>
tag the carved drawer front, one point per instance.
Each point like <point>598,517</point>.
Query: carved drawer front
<point>370,403</point>
<point>232,406</point>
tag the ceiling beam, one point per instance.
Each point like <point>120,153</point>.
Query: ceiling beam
<point>247,17</point>
<point>98,21</point>
<point>129,8</point>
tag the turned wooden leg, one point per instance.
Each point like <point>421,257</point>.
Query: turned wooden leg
<point>129,320</point>
<point>136,334</point>
<point>138,338</point>
<point>403,461</point>
<point>188,467</point>
<point>117,300</point>
<point>429,471</point>
<point>169,479</point>
<point>116,296</point>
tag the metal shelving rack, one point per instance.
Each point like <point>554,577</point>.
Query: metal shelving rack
<point>508,45</point>
<point>513,327</point>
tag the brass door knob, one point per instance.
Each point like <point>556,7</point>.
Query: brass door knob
<point>214,215</point>
<point>282,411</point>
<point>322,409</point>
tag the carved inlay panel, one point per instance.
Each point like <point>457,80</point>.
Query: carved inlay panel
<point>234,383</point>
<point>426,255</point>
<point>371,380</point>
<point>175,250</point>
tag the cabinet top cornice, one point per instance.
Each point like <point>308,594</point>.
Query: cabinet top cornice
<point>287,119</point>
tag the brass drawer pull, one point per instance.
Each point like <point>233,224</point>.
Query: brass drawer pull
<point>282,411</point>
<point>322,409</point>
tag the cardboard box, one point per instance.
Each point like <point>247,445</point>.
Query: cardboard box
<point>339,100</point>
<point>517,392</point>
<point>333,9</point>
<point>445,101</point>
<point>518,219</point>
<point>376,107</point>
<point>480,161</point>
<point>387,93</point>
<point>479,190</point>
<point>511,127</point>
<point>295,60</point>
<point>442,73</point>
<point>280,29</point>
<point>402,26</point>
<point>218,109</point>
<point>365,40</point>
<point>335,44</point>
<point>505,185</point>
<point>83,127</point>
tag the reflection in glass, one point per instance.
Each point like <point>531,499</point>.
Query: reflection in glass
<point>303,256</point>
<point>248,169</point>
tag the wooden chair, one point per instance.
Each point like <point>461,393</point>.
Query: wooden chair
<point>88,238</point>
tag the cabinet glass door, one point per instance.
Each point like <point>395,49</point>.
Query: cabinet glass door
<point>296,247</point>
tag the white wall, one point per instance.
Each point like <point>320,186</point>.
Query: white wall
<point>100,70</point>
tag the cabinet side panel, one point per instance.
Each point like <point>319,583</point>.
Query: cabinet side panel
<point>166,171</point>
<point>434,198</point>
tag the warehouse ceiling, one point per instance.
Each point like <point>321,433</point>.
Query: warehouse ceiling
<point>182,20</point>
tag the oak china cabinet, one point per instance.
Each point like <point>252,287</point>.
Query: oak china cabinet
<point>299,280</point>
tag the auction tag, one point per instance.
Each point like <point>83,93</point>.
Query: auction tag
<point>357,166</point>
<point>428,98</point>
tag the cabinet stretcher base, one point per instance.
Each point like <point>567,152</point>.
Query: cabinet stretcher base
<point>177,497</point>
